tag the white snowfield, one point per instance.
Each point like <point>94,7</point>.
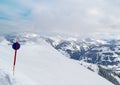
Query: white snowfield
<point>40,64</point>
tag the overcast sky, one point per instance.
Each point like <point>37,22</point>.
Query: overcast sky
<point>72,17</point>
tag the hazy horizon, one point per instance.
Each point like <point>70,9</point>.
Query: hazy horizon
<point>69,17</point>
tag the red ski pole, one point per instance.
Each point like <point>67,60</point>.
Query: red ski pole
<point>14,61</point>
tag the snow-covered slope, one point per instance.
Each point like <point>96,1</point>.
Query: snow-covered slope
<point>41,64</point>
<point>102,52</point>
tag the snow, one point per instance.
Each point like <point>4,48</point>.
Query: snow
<point>41,64</point>
<point>93,67</point>
<point>101,41</point>
<point>4,78</point>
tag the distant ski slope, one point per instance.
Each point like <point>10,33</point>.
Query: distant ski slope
<point>41,64</point>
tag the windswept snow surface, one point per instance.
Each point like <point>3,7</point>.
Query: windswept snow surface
<point>40,64</point>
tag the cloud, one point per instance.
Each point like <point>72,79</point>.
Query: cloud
<point>73,17</point>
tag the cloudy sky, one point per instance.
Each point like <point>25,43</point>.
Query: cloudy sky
<point>72,17</point>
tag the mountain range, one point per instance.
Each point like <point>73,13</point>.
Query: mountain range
<point>42,59</point>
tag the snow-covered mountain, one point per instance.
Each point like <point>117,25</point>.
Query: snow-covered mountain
<point>38,63</point>
<point>103,54</point>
